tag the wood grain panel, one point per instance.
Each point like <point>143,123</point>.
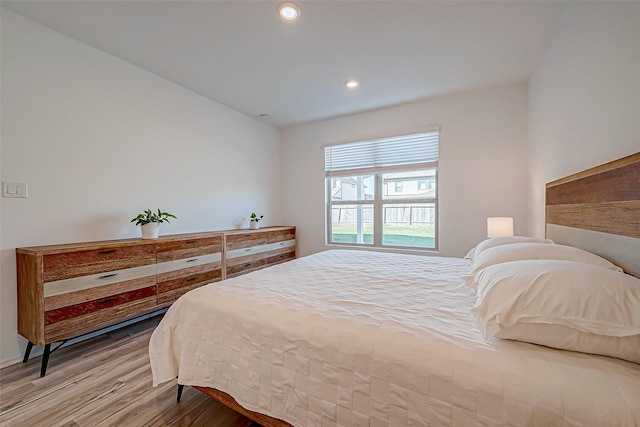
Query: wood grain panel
<point>619,163</point>
<point>246,267</point>
<point>598,210</point>
<point>30,298</point>
<point>246,240</point>
<point>83,246</point>
<point>253,257</point>
<point>84,263</point>
<point>621,218</point>
<point>75,284</point>
<point>279,236</point>
<point>63,300</point>
<point>230,402</point>
<point>279,259</point>
<point>188,248</point>
<point>81,309</point>
<point>190,280</point>
<point>186,272</point>
<point>92,321</point>
<point>279,251</point>
<point>622,184</point>
<point>168,298</point>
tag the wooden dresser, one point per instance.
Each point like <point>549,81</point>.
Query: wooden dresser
<point>68,290</point>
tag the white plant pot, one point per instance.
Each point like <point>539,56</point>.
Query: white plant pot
<point>150,230</point>
<point>254,225</point>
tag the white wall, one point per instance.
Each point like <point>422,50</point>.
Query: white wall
<point>98,140</point>
<point>483,165</point>
<point>584,96</point>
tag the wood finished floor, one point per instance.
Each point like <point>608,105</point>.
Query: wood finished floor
<point>104,381</point>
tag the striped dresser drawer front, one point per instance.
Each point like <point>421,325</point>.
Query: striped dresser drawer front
<point>237,253</point>
<point>278,236</point>
<point>280,257</point>
<point>83,263</point>
<point>190,248</point>
<point>81,309</point>
<point>177,277</point>
<point>179,264</point>
<point>102,279</point>
<point>91,321</point>
<point>53,302</point>
<point>246,240</point>
<point>245,265</point>
<point>170,297</point>
<point>171,290</point>
<point>201,278</point>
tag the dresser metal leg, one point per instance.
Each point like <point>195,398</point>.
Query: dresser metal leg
<point>27,352</point>
<point>180,388</point>
<point>45,359</point>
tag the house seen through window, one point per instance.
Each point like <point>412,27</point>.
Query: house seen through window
<point>383,192</point>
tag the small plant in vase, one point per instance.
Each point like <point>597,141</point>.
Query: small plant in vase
<point>254,221</point>
<point>149,221</point>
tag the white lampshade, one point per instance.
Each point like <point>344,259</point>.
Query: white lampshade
<point>499,226</point>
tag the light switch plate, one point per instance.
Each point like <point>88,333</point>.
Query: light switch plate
<point>14,189</point>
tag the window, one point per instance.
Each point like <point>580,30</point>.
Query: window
<point>383,192</point>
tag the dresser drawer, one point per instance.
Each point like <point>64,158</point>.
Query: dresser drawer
<point>170,270</point>
<point>279,236</point>
<point>280,258</point>
<point>54,300</point>
<point>82,323</point>
<point>246,240</point>
<point>200,278</point>
<point>188,248</point>
<point>170,290</point>
<point>170,297</point>
<point>82,263</point>
<point>242,265</point>
<point>94,306</point>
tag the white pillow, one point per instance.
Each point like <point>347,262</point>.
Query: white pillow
<point>562,304</point>
<point>523,251</point>
<point>499,241</point>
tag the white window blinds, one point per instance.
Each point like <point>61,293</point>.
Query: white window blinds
<point>415,151</point>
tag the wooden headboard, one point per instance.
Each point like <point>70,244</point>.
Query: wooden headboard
<point>598,210</point>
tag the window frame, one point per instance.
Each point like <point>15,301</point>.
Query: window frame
<point>378,203</point>
<point>383,159</point>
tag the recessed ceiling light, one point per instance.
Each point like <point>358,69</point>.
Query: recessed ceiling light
<point>288,11</point>
<point>352,83</point>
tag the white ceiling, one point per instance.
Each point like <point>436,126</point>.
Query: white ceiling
<point>241,54</point>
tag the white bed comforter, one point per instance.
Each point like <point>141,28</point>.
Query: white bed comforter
<point>345,338</point>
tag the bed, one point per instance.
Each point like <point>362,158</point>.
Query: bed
<point>347,337</point>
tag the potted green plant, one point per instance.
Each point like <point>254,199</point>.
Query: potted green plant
<point>150,221</point>
<point>254,221</point>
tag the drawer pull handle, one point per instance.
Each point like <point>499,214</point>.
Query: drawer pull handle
<point>246,264</point>
<point>248,249</point>
<point>107,251</point>
<point>104,301</point>
<point>191,279</point>
<point>106,276</point>
<point>192,260</point>
<point>191,241</point>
